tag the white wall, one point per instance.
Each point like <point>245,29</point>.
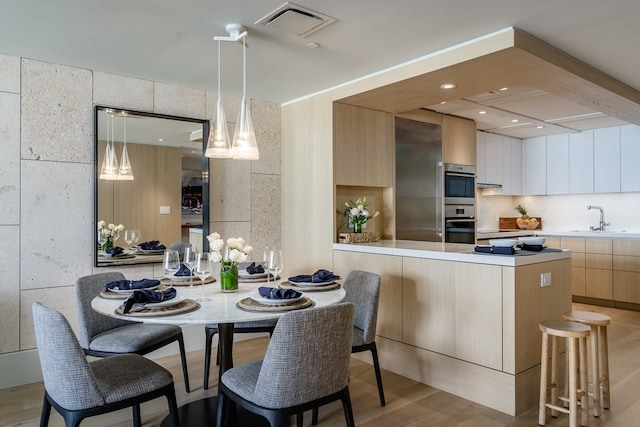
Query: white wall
<point>46,185</point>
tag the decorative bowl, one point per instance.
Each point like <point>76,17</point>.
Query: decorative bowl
<point>504,243</point>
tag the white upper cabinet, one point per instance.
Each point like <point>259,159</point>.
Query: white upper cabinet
<point>499,162</point>
<point>606,160</point>
<point>535,166</point>
<point>511,166</point>
<point>581,162</point>
<point>629,157</point>
<point>481,165</point>
<point>494,159</point>
<point>558,164</point>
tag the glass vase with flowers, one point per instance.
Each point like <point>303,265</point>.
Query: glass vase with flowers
<point>357,214</point>
<point>108,234</point>
<point>229,256</point>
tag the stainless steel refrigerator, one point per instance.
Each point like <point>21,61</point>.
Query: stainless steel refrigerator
<point>418,181</point>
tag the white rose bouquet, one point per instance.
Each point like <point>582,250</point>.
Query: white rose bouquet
<point>236,251</point>
<point>357,214</point>
<point>108,234</point>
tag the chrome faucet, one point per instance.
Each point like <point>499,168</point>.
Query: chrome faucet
<point>602,223</point>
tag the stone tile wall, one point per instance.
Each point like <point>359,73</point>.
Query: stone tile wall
<point>47,173</point>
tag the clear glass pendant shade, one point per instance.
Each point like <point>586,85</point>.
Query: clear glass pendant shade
<point>244,145</point>
<point>125,173</point>
<point>109,169</point>
<point>219,146</point>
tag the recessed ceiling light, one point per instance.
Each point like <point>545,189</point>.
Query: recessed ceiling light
<point>161,139</point>
<point>447,86</point>
<point>504,88</point>
<point>443,102</point>
<point>539,127</point>
<point>515,121</point>
<point>313,45</point>
<point>482,112</point>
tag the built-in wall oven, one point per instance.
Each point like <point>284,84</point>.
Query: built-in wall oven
<point>459,203</point>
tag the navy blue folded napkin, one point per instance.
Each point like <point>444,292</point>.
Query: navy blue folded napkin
<point>114,251</point>
<point>123,285</point>
<point>532,248</point>
<point>497,250</point>
<point>152,245</point>
<point>145,296</point>
<point>319,276</point>
<point>278,293</point>
<point>254,269</point>
<point>183,271</point>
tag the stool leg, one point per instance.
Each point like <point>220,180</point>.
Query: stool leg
<point>604,361</point>
<point>555,357</point>
<point>584,381</point>
<point>544,364</point>
<point>573,382</point>
<point>595,346</point>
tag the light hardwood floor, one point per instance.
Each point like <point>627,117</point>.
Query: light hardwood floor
<point>409,403</point>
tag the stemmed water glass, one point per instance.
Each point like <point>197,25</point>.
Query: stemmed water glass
<point>190,258</point>
<point>136,235</point>
<point>275,263</point>
<point>102,239</point>
<point>129,238</point>
<point>203,270</point>
<point>171,263</point>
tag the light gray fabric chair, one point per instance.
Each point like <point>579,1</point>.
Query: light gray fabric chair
<point>79,389</point>
<point>211,330</point>
<point>363,291</point>
<point>104,336</point>
<point>306,365</point>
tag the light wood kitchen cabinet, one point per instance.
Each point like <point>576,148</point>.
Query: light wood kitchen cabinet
<point>389,268</point>
<point>577,247</point>
<point>558,164</point>
<point>535,166</point>
<point>458,140</point>
<point>581,162</point>
<point>629,155</point>
<point>363,146</point>
<point>626,271</point>
<point>606,160</point>
<point>591,267</point>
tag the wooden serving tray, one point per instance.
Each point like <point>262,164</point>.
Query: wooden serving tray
<point>509,223</point>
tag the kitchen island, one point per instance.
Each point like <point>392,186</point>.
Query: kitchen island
<point>463,322</point>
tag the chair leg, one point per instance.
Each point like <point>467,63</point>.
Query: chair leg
<point>299,419</point>
<point>183,358</point>
<point>136,415</point>
<point>45,413</point>
<point>314,416</point>
<point>220,413</point>
<point>376,366</point>
<point>207,356</point>
<point>348,410</point>
<point>173,407</point>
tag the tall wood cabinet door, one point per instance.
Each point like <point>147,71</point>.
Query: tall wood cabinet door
<point>535,166</point>
<point>389,268</point>
<point>379,149</point>
<point>349,155</point>
<point>581,162</point>
<point>458,140</point>
<point>558,164</point>
<point>606,160</point>
<point>629,155</point>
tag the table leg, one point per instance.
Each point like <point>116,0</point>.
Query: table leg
<point>225,341</point>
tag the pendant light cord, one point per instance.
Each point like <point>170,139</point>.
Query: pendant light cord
<point>218,68</point>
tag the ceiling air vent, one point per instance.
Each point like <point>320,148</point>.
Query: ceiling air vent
<point>295,19</point>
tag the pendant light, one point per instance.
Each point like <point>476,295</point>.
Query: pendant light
<point>244,144</point>
<point>218,146</point>
<point>109,170</point>
<point>125,173</point>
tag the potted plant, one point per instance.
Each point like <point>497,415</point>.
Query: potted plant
<point>525,222</point>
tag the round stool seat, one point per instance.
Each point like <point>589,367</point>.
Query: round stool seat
<point>565,328</point>
<point>588,318</point>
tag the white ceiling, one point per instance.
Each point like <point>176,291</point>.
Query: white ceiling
<point>172,41</point>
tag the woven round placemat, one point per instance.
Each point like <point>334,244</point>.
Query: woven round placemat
<point>255,280</point>
<point>114,295</point>
<point>249,304</point>
<point>184,306</point>
<point>196,281</point>
<point>329,287</point>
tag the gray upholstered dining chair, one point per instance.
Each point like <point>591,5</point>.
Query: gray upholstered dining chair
<point>210,330</point>
<point>78,389</point>
<point>103,336</point>
<point>363,291</point>
<point>306,365</point>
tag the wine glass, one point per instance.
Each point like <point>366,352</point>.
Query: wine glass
<point>190,258</point>
<point>171,263</point>
<point>136,235</point>
<point>203,270</point>
<point>102,239</point>
<point>275,263</point>
<point>265,260</point>
<point>128,237</point>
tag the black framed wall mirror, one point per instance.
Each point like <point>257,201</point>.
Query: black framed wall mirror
<point>164,195</point>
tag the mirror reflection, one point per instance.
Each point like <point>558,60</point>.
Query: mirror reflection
<point>149,181</point>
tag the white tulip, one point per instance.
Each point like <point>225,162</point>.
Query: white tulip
<point>216,257</point>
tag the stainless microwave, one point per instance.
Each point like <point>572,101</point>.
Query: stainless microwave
<point>459,184</point>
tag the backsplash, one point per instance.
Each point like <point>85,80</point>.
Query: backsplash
<point>564,213</point>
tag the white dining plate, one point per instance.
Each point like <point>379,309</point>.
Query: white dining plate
<point>272,301</point>
<point>311,284</point>
<point>167,303</point>
<point>181,278</point>
<point>245,275</point>
<point>130,291</point>
<point>151,251</point>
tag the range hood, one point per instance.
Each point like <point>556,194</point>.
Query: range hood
<point>487,185</point>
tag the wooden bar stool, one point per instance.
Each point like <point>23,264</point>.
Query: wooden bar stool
<point>576,337</point>
<point>599,355</point>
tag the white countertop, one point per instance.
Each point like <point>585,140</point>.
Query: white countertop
<point>502,234</point>
<point>447,252</point>
<point>623,235</point>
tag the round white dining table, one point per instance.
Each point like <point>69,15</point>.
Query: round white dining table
<point>221,309</point>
